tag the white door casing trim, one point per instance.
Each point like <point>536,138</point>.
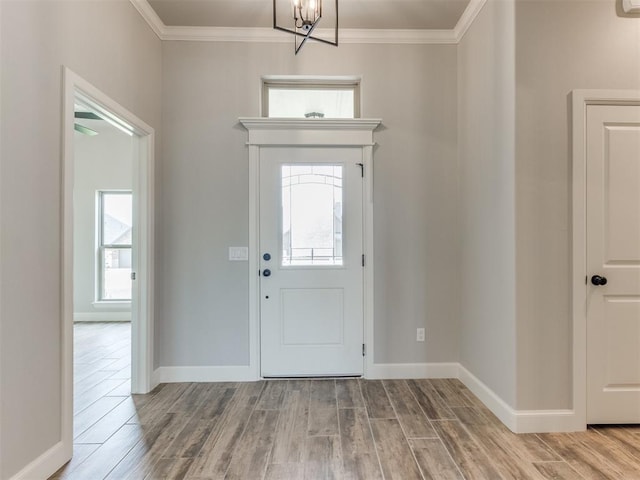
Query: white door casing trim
<point>142,330</point>
<point>307,132</point>
<point>580,100</point>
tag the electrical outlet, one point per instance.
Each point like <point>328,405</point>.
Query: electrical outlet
<point>420,335</point>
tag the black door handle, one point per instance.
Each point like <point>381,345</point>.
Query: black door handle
<point>598,280</point>
<point>266,273</point>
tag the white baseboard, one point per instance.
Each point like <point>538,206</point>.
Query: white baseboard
<point>242,373</point>
<point>412,370</point>
<point>493,402</point>
<point>102,317</point>
<point>520,421</point>
<point>46,464</point>
<point>547,421</point>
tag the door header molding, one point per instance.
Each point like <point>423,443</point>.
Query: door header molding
<point>310,132</point>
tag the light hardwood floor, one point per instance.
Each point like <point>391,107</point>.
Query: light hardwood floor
<point>314,429</point>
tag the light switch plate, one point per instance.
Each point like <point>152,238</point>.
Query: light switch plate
<point>238,254</point>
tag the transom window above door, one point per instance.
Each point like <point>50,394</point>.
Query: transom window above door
<point>305,97</point>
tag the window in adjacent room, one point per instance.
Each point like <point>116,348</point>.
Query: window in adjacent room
<point>115,221</point>
<point>302,97</point>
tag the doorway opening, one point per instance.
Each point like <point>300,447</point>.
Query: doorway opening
<point>102,271</point>
<point>107,258</point>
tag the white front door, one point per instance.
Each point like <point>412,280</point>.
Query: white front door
<point>613,264</point>
<point>311,287</point>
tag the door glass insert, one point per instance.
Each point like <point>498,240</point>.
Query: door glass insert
<point>311,215</point>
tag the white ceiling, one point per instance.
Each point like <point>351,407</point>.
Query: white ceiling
<point>354,14</point>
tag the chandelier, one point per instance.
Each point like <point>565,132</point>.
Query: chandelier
<point>306,16</point>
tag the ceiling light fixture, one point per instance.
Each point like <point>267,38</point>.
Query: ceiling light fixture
<point>306,15</point>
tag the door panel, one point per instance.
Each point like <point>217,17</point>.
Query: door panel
<point>613,252</point>
<point>312,316</point>
<point>311,287</point>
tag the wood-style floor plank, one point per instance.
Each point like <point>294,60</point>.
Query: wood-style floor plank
<point>413,420</point>
<point>349,394</point>
<point>108,455</point>
<point>323,394</point>
<point>434,459</point>
<point>122,390</point>
<point>251,455</point>
<point>573,450</point>
<point>216,402</point>
<point>323,458</point>
<point>323,408</point>
<point>109,423</point>
<point>87,397</point>
<point>625,438</point>
<point>396,458</point>
<point>316,429</point>
<point>452,392</point>
<point>472,460</point>
<point>80,454</point>
<point>501,448</point>
<point>557,471</point>
<point>140,460</point>
<point>92,414</point>
<point>215,457</point>
<point>376,399</point>
<point>273,395</point>
<point>156,407</point>
<point>284,471</point>
<point>358,448</point>
<point>291,431</point>
<point>432,404</point>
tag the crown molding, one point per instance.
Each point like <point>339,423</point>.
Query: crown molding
<point>269,35</point>
<point>151,17</point>
<point>466,19</point>
<point>631,6</point>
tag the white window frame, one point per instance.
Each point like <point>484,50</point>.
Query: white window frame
<point>101,246</point>
<point>302,82</point>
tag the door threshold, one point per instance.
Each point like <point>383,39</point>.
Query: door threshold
<point>308,377</point>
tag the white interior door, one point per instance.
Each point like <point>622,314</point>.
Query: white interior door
<point>613,264</point>
<point>311,287</point>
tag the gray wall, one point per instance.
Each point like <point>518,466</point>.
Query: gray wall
<point>516,67</point>
<point>108,44</point>
<point>201,310</point>
<point>561,46</point>
<point>486,119</point>
<point>102,162</point>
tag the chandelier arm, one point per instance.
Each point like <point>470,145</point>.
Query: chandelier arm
<point>300,23</point>
<point>306,37</point>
